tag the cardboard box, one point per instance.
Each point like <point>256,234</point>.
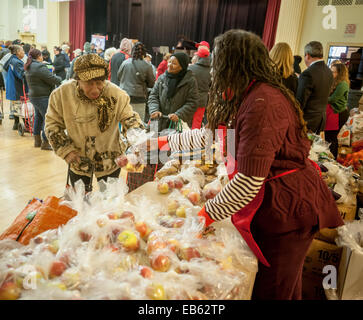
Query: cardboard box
<point>312,288</point>
<point>321,254</point>
<point>327,235</point>
<point>350,276</point>
<point>348,213</point>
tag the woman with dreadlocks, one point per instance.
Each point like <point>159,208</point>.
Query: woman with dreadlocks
<point>275,196</point>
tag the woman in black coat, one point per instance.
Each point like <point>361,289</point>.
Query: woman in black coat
<point>281,54</point>
<point>59,63</point>
<point>41,83</point>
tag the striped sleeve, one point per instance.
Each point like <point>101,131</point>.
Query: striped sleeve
<point>238,193</point>
<point>190,140</point>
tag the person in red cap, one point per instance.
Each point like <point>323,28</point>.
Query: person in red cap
<point>203,44</point>
<point>201,70</point>
<point>276,198</point>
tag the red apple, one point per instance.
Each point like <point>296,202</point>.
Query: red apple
<point>189,253</point>
<point>178,223</point>
<point>155,245</point>
<point>173,244</point>
<point>210,193</point>
<point>194,197</point>
<point>114,216</point>
<point>146,272</point>
<point>116,231</point>
<point>171,184</point>
<point>122,161</point>
<point>38,240</point>
<point>56,269</point>
<point>178,184</point>
<point>9,291</point>
<point>85,236</point>
<point>128,214</point>
<point>160,263</point>
<point>129,240</point>
<point>143,229</point>
<point>163,188</point>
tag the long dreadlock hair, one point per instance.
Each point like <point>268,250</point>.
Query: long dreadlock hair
<point>238,58</point>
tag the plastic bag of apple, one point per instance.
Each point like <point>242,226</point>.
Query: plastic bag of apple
<point>191,183</point>
<point>115,250</point>
<point>134,160</point>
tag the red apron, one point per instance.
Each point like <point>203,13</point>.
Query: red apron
<point>243,218</point>
<point>198,118</point>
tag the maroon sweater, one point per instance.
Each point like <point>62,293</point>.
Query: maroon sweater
<point>269,142</point>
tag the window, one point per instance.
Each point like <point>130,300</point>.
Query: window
<point>38,4</point>
<point>341,52</point>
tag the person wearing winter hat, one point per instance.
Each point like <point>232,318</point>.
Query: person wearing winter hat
<point>175,93</point>
<point>201,71</point>
<point>118,58</point>
<point>87,48</point>
<point>82,121</point>
<point>203,44</point>
<point>77,53</point>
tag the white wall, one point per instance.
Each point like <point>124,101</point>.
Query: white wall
<point>52,22</point>
<point>313,25</point>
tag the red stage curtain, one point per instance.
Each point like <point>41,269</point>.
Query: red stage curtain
<point>77,24</point>
<point>271,21</point>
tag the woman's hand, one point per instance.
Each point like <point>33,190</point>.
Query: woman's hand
<point>156,114</point>
<point>73,157</point>
<point>173,117</point>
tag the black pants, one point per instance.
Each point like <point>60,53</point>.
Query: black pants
<point>331,136</point>
<point>88,181</point>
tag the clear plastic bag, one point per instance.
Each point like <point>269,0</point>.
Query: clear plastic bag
<point>118,249</point>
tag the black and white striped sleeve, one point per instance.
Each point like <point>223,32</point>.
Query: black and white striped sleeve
<point>191,140</point>
<point>238,193</point>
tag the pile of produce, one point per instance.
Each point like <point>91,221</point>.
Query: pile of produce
<point>343,181</point>
<point>116,249</point>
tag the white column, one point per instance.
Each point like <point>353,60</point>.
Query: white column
<point>290,25</point>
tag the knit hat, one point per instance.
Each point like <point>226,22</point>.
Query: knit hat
<point>182,58</point>
<point>90,66</point>
<point>87,47</point>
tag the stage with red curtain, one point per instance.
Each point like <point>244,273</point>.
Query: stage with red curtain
<point>77,24</point>
<point>271,22</point>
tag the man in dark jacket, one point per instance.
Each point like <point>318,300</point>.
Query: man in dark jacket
<point>201,70</point>
<point>118,58</point>
<point>314,87</point>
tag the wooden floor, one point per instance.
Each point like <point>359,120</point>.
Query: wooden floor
<point>26,172</point>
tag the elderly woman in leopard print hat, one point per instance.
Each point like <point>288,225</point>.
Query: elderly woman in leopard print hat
<point>82,121</point>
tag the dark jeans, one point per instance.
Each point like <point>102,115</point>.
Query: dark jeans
<point>73,177</point>
<point>331,136</point>
<point>40,107</point>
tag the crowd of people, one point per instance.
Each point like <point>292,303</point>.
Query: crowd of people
<point>81,99</point>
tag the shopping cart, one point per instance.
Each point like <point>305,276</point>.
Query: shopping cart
<point>25,111</point>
